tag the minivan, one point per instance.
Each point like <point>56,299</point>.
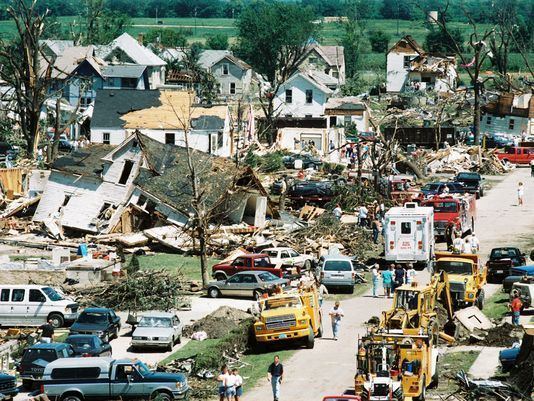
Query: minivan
<point>34,305</point>
<point>337,271</point>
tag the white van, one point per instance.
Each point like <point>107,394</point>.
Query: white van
<point>34,305</point>
<point>409,234</point>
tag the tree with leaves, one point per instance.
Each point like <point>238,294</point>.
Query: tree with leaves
<point>274,45</point>
<point>379,41</point>
<point>217,42</point>
<point>101,25</point>
<point>27,70</point>
<point>439,41</point>
<point>166,37</point>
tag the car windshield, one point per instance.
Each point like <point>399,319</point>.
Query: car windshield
<point>503,253</point>
<point>452,267</point>
<point>337,265</point>
<point>284,302</point>
<point>81,342</point>
<point>267,277</point>
<point>142,368</point>
<point>148,321</point>
<point>32,354</point>
<point>444,207</point>
<point>52,294</point>
<point>93,317</point>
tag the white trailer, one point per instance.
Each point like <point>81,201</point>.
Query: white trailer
<point>409,234</point>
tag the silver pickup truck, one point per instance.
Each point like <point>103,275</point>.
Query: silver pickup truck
<point>78,379</point>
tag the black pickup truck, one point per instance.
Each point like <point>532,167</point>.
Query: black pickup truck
<point>501,260</point>
<point>8,387</point>
<point>472,183</point>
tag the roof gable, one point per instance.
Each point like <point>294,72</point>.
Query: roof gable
<point>137,53</point>
<point>407,45</point>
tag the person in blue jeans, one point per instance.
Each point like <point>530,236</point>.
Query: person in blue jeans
<point>376,277</point>
<point>387,280</point>
<point>275,373</point>
<point>336,314</point>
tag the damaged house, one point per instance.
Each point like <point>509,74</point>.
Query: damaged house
<point>161,115</point>
<point>409,68</point>
<point>510,114</point>
<point>143,183</point>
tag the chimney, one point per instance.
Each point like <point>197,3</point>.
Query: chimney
<point>140,39</point>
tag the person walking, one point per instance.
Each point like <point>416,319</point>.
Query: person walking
<point>475,244</point>
<point>47,332</point>
<point>322,291</point>
<point>520,194</point>
<point>238,384</point>
<point>400,274</point>
<point>222,379</point>
<point>410,274</point>
<point>449,236</point>
<point>387,281</point>
<point>515,307</point>
<point>283,190</point>
<point>275,373</point>
<point>230,387</point>
<point>376,276</point>
<point>375,226</point>
<point>336,314</point>
<point>362,216</point>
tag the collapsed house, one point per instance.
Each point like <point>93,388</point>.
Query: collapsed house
<point>510,114</point>
<point>410,68</point>
<point>143,183</point>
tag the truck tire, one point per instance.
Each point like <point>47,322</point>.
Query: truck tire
<point>310,340</point>
<point>57,320</point>
<point>214,292</point>
<point>72,397</point>
<point>481,192</point>
<point>179,339</point>
<point>161,396</point>
<point>27,384</point>
<point>351,289</point>
<point>480,300</point>
<point>320,330</point>
<point>169,347</point>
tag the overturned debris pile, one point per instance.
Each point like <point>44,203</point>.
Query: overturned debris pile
<point>471,390</point>
<point>218,323</point>
<point>141,290</point>
<point>454,159</point>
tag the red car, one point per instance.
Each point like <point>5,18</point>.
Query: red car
<point>251,261</point>
<point>342,398</point>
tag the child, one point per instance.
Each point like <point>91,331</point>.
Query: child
<point>238,384</point>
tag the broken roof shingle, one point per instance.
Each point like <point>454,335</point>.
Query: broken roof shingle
<point>85,161</point>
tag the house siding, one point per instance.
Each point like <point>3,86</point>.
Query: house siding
<point>298,107</point>
<point>397,75</point>
<point>235,75</point>
<point>501,124</point>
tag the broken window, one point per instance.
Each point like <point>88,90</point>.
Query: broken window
<point>170,138</point>
<point>347,120</point>
<point>511,124</point>
<point>126,171</point>
<point>426,79</point>
<point>232,88</point>
<point>333,121</point>
<point>407,61</point>
<point>141,200</point>
<point>309,96</point>
<point>289,96</point>
<point>106,138</point>
<point>150,206</point>
<point>219,139</point>
<point>105,211</point>
<point>406,228</point>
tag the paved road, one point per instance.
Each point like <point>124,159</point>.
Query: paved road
<point>329,367</point>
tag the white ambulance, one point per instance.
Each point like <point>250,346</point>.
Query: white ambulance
<point>409,234</point>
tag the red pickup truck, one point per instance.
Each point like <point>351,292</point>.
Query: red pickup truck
<point>253,261</point>
<point>517,155</point>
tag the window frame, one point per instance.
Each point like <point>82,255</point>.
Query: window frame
<point>289,99</point>
<point>511,123</point>
<point>225,69</point>
<point>5,291</point>
<point>232,88</point>
<point>403,226</point>
<point>43,296</point>
<point>17,290</point>
<point>167,137</point>
<point>309,96</point>
<point>106,138</point>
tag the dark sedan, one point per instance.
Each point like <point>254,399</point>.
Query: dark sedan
<point>308,161</point>
<point>246,284</point>
<point>437,188</point>
<point>102,322</point>
<point>88,345</point>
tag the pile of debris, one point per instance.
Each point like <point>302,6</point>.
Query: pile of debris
<point>471,390</point>
<point>141,290</point>
<point>218,323</point>
<point>454,159</point>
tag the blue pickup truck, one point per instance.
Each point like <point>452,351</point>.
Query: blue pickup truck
<point>78,379</point>
<point>8,387</point>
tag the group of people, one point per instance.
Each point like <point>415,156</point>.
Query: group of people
<point>394,276</point>
<point>468,244</point>
<point>230,384</point>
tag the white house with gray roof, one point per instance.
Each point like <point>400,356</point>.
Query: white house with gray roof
<point>329,60</point>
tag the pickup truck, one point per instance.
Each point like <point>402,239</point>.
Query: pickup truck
<point>517,155</point>
<point>253,261</point>
<point>8,387</point>
<point>79,379</point>
<point>472,182</point>
<point>501,260</point>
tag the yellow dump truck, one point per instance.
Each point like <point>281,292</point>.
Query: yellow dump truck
<point>290,316</point>
<point>391,367</point>
<point>466,277</point>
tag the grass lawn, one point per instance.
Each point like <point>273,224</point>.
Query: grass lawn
<point>450,364</point>
<point>496,306</point>
<point>188,265</point>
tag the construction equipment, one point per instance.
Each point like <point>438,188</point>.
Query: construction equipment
<point>414,310</point>
<point>290,316</point>
<point>392,366</point>
<point>466,278</point>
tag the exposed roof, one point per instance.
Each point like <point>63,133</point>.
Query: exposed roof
<point>407,44</point>
<point>137,53</point>
<point>153,109</point>
<point>210,57</point>
<point>123,70</point>
<point>237,61</point>
<point>508,105</point>
<point>432,64</point>
<point>69,59</point>
<point>323,78</point>
<point>85,161</point>
<point>171,54</point>
<point>57,46</point>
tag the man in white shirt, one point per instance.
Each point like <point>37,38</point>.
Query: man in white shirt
<point>466,246</point>
<point>222,378</point>
<point>457,244</point>
<point>410,274</point>
<point>338,212</point>
<point>238,384</point>
<point>336,314</point>
<point>475,244</point>
<point>362,216</point>
<point>230,386</point>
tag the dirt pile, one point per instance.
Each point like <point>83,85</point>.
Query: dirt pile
<point>218,323</point>
<point>504,335</point>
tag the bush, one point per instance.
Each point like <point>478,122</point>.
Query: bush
<point>217,42</point>
<point>272,162</point>
<point>333,168</point>
<point>379,41</point>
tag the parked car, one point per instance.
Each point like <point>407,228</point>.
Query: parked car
<point>246,284</point>
<point>102,322</point>
<point>308,161</point>
<point>34,305</point>
<point>65,145</point>
<point>338,272</point>
<point>157,329</point>
<point>8,151</point>
<point>472,182</point>
<point>436,188</point>
<point>314,192</point>
<point>249,261</point>
<point>508,356</point>
<point>501,260</point>
<point>288,256</point>
<point>88,345</point>
<point>497,140</point>
<point>35,358</point>
<point>517,273</point>
<point>8,387</point>
<point>525,290</point>
<point>79,379</point>
<point>516,155</point>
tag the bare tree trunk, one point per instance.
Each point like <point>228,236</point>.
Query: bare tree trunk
<point>476,114</point>
<point>202,237</point>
